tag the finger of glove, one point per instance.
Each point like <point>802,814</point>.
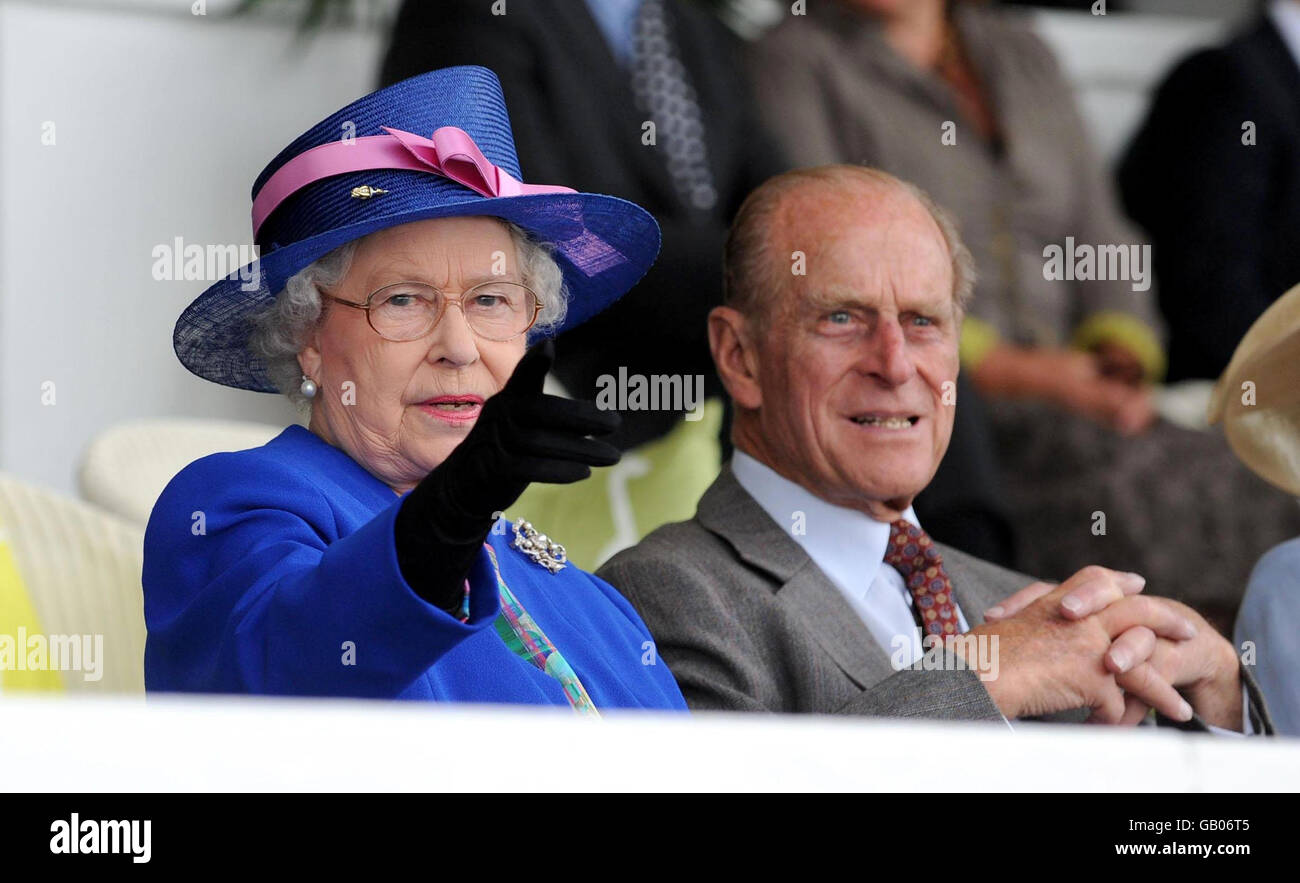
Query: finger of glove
<point>530,373</point>
<point>552,471</point>
<point>564,446</point>
<point>554,412</point>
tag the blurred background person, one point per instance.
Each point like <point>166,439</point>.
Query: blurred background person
<point>1258,401</point>
<point>1213,175</point>
<point>968,102</point>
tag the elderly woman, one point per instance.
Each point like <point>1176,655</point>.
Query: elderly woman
<point>365,555</point>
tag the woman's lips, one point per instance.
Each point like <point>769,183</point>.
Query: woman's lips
<point>453,409</point>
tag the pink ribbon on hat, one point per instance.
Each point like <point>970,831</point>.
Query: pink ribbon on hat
<point>451,152</point>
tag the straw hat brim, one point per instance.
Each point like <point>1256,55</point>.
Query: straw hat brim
<point>212,334</point>
<point>1257,398</point>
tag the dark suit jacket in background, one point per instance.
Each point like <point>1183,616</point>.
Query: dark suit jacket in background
<point>747,622</point>
<point>576,124</point>
<point>1224,217</point>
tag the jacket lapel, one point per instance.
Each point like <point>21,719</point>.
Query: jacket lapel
<point>836,626</point>
<point>727,510</point>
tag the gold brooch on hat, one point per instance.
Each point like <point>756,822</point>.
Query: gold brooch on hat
<point>365,191</point>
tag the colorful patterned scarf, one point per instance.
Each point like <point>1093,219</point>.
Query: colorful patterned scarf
<point>526,638</point>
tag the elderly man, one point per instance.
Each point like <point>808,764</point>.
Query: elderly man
<point>802,580</point>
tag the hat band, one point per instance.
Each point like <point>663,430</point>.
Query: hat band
<point>451,152</point>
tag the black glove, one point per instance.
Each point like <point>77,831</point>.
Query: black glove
<point>522,435</point>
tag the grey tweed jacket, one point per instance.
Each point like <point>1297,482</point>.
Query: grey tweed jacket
<point>747,622</point>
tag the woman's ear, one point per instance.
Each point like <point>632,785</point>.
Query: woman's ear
<point>309,360</point>
<point>309,357</point>
<point>735,356</point>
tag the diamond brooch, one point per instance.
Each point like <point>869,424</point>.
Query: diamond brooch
<point>539,547</point>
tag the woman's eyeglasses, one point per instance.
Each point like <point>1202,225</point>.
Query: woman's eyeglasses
<point>494,310</point>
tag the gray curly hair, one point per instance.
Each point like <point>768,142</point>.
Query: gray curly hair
<point>282,330</point>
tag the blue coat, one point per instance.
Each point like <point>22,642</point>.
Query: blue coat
<point>263,567</point>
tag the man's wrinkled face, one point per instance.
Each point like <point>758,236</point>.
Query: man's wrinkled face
<point>861,352</point>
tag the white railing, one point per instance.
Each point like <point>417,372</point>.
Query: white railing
<point>227,744</point>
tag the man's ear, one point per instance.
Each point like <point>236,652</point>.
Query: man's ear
<point>735,356</point>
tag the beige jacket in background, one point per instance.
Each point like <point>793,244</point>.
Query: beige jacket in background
<point>832,90</point>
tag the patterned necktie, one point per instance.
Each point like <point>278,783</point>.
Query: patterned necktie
<point>662,88</point>
<point>913,554</point>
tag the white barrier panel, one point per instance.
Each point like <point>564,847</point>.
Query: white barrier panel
<point>257,744</point>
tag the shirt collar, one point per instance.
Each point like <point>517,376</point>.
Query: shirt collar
<point>1285,15</point>
<point>616,20</point>
<point>847,545</point>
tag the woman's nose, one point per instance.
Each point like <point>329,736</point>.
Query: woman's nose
<point>453,341</point>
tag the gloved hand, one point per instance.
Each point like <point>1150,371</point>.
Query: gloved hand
<point>522,435</point>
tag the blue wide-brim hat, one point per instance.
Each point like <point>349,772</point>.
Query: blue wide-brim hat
<point>603,244</point>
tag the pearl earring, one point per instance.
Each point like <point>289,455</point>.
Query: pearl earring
<point>308,387</point>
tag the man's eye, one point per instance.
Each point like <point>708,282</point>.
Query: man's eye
<point>840,317</point>
<point>922,320</point>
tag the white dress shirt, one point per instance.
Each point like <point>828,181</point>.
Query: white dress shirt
<point>617,22</point>
<point>849,547</point>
